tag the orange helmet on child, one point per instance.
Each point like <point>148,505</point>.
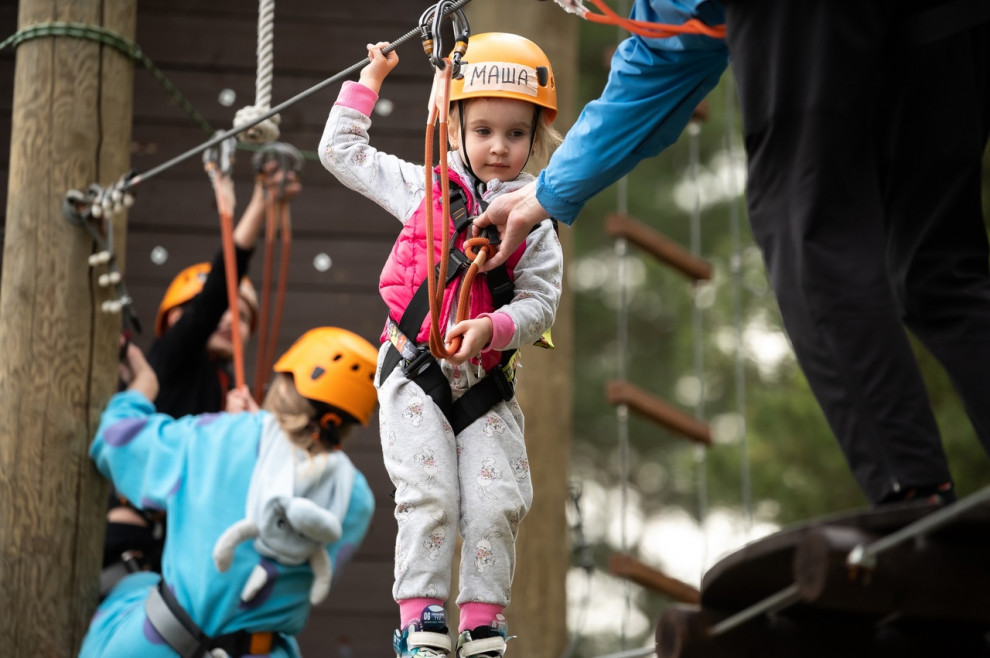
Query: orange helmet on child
<point>336,367</point>
<point>187,285</point>
<point>504,65</point>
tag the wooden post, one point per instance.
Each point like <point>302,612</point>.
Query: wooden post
<point>70,128</point>
<point>538,614</point>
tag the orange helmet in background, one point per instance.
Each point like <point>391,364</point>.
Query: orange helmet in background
<point>334,366</point>
<point>187,285</point>
<point>504,65</point>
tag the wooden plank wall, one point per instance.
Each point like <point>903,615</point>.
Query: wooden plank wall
<point>204,48</point>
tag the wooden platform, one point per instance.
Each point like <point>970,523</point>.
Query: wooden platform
<point>905,581</point>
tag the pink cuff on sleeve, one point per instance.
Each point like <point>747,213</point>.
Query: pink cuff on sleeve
<point>503,329</point>
<point>357,97</point>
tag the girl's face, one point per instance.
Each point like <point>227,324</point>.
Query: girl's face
<point>497,135</point>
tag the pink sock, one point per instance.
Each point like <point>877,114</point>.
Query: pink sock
<point>411,610</point>
<point>477,614</point>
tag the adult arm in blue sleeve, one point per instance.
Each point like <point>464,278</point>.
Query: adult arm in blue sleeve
<point>653,88</point>
<point>649,98</point>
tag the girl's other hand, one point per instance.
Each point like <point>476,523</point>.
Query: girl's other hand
<point>240,399</point>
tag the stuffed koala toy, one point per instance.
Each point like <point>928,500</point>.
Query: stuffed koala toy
<point>291,531</point>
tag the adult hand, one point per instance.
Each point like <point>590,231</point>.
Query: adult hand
<point>514,214</point>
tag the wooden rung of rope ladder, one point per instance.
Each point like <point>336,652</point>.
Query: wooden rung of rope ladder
<point>660,412</point>
<point>661,247</point>
<point>626,566</point>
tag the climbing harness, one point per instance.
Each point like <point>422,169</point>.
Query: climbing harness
<point>418,363</point>
<point>288,159</point>
<point>94,210</point>
<point>265,129</point>
<point>181,633</point>
<point>218,163</point>
<point>646,29</point>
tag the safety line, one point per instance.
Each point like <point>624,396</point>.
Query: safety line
<point>353,68</point>
<point>736,268</point>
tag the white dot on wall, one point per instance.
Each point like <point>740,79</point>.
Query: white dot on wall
<point>384,107</point>
<point>322,262</point>
<point>159,255</point>
<point>227,97</point>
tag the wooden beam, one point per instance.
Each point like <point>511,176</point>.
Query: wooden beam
<point>685,632</point>
<point>659,246</point>
<point>660,412</point>
<point>626,566</point>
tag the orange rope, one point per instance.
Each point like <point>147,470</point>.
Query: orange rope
<point>649,29</point>
<point>223,187</point>
<point>260,372</point>
<point>268,338</point>
<point>439,106</point>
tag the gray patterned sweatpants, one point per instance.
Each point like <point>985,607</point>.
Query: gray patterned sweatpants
<point>477,483</point>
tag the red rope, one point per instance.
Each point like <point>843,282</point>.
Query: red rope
<point>652,30</point>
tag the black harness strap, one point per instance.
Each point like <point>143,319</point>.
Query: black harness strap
<point>424,369</point>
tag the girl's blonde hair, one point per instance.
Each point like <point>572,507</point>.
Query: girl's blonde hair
<point>295,414</point>
<point>546,138</point>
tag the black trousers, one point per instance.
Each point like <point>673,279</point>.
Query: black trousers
<point>865,149</point>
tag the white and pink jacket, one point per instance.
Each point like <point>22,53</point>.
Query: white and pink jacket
<point>398,186</point>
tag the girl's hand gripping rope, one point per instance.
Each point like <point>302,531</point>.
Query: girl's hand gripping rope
<point>379,66</point>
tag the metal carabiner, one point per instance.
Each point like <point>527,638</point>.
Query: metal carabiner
<point>430,31</point>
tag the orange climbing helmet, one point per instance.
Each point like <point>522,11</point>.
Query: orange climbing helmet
<point>336,367</point>
<point>504,65</point>
<point>187,285</point>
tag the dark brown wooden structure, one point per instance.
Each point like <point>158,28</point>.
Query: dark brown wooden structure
<point>907,581</point>
<point>208,52</point>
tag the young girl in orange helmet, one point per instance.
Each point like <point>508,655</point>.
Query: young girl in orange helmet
<point>262,507</point>
<point>451,429</point>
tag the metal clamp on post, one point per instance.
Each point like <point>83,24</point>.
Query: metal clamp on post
<point>97,206</point>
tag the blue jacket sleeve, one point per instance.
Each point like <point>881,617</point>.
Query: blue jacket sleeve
<point>139,451</point>
<point>652,90</point>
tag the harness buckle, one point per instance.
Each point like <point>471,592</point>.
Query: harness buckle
<point>414,367</point>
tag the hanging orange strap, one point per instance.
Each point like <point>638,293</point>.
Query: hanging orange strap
<point>268,338</point>
<point>218,167</point>
<point>649,29</point>
<point>438,114</point>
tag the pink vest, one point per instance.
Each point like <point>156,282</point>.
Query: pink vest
<point>405,269</point>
